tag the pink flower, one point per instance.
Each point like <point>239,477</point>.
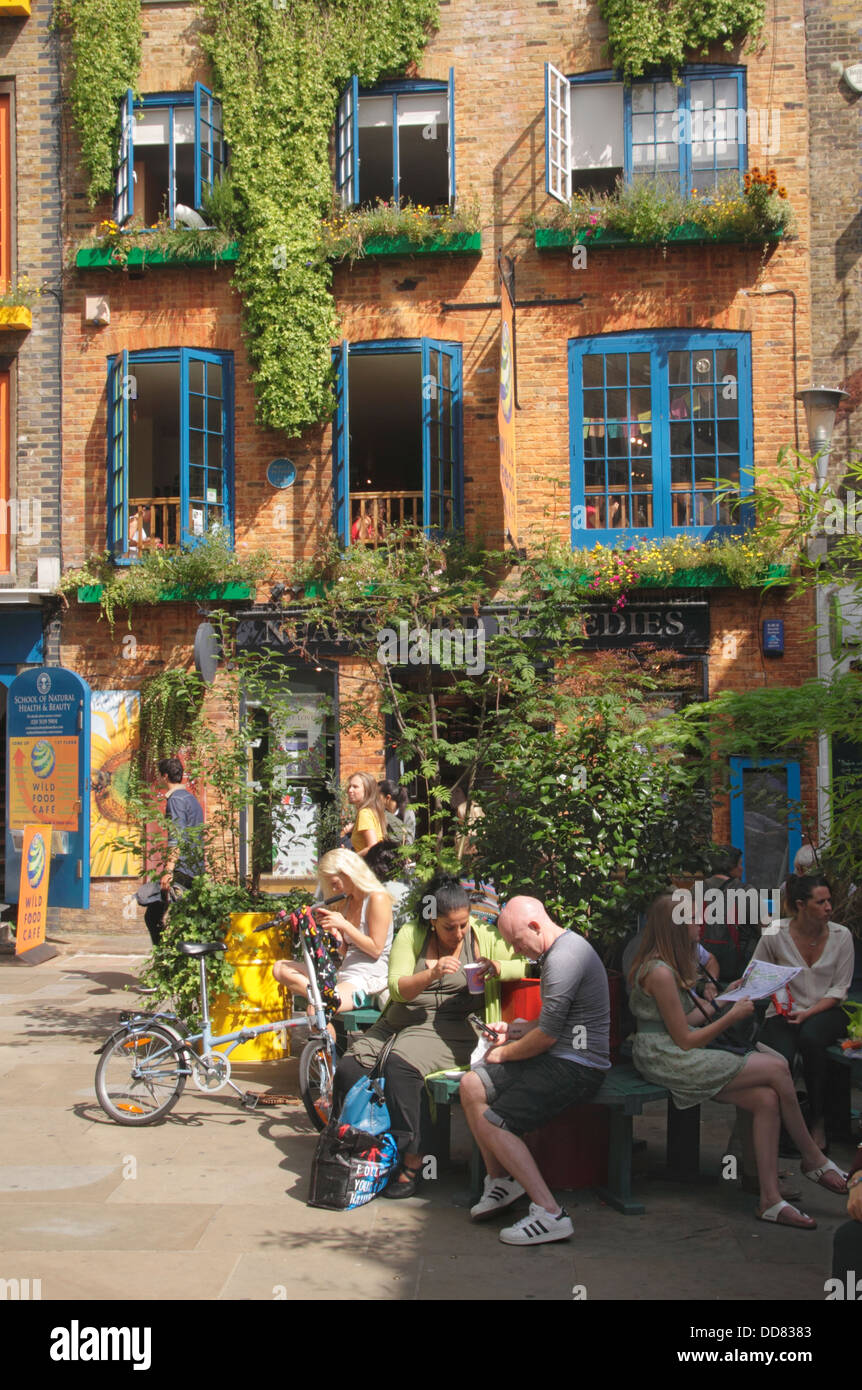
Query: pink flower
<point>594,218</point>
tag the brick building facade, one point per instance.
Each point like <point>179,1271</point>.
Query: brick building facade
<point>737,309</point>
<point>30,401</point>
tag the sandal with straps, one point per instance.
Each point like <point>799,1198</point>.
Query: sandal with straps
<point>774,1214</point>
<point>818,1174</point>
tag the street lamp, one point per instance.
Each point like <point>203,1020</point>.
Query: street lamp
<point>821,406</point>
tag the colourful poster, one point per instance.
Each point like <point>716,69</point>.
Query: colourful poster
<point>114,742</point>
<point>43,781</point>
<point>506,415</point>
<point>33,892</point>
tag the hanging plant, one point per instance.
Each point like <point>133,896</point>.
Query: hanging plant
<point>642,34</point>
<point>171,704</point>
<point>105,62</point>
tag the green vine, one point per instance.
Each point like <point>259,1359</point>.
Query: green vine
<point>279,72</point>
<point>105,61</point>
<point>642,34</point>
<point>171,703</point>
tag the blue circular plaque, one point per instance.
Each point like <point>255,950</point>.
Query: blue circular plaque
<point>281,473</point>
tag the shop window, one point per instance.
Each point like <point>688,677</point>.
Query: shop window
<point>171,153</point>
<point>170,448</point>
<point>396,143</point>
<point>764,818</point>
<point>660,423</point>
<point>690,135</point>
<point>397,453</point>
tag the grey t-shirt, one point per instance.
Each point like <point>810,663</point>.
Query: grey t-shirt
<point>186,813</point>
<point>576,1007</point>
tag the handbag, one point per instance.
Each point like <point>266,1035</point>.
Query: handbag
<point>149,892</point>
<point>739,1038</point>
<point>351,1165</point>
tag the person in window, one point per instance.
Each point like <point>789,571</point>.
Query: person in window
<point>139,529</point>
<point>186,853</point>
<point>825,951</point>
<point>363,529</point>
<point>428,1008</point>
<point>361,926</point>
<point>670,1050</point>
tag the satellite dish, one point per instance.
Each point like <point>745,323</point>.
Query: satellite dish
<point>206,652</point>
<point>189,218</point>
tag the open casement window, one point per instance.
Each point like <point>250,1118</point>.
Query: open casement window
<point>690,135</point>
<point>659,423</point>
<point>397,455</point>
<point>396,143</point>
<point>171,154</point>
<point>765,818</point>
<point>558,135</point>
<point>170,448</point>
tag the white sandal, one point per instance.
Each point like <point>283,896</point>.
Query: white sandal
<point>815,1175</point>
<point>773,1214</point>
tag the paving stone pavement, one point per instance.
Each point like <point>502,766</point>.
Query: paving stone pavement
<point>211,1202</point>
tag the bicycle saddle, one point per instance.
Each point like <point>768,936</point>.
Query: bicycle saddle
<point>202,948</point>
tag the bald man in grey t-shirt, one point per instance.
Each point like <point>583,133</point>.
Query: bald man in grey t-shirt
<point>538,1070</point>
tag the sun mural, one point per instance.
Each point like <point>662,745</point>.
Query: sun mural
<point>114,741</point>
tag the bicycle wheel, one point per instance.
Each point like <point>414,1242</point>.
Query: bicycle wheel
<point>316,1067</point>
<point>140,1076</point>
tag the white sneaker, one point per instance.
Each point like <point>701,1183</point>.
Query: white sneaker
<point>538,1227</point>
<point>496,1194</point>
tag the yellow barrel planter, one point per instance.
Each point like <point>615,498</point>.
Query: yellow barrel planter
<point>263,999</point>
<point>16,9</point>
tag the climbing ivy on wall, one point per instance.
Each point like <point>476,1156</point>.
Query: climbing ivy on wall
<point>644,34</point>
<point>279,71</point>
<point>105,61</point>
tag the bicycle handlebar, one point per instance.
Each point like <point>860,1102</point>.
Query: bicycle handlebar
<point>283,916</point>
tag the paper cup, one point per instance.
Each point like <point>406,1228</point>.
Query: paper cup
<point>475,979</point>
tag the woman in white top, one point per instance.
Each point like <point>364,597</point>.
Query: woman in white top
<point>825,951</point>
<point>362,928</point>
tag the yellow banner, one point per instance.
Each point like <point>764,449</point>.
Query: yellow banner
<point>506,415</point>
<point>33,893</point>
<point>43,782</point>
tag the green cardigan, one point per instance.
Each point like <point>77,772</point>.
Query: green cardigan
<point>490,944</point>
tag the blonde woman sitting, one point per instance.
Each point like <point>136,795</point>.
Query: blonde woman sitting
<point>362,928</point>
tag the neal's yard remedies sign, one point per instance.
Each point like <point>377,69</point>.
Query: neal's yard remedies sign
<point>48,779</point>
<point>684,625</point>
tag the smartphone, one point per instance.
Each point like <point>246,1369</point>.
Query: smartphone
<point>482,1028</point>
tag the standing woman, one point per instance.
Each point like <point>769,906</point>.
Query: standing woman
<point>395,801</point>
<point>825,950</point>
<point>672,1053</point>
<point>370,813</point>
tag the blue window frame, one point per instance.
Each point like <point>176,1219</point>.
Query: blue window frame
<point>765,801</point>
<point>658,421</point>
<point>396,143</point>
<point>170,448</point>
<point>397,438</point>
<point>171,153</point>
<point>690,135</point>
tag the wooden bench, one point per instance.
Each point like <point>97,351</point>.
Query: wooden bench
<point>625,1093</point>
<point>356,1020</point>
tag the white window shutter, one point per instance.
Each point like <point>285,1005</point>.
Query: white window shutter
<point>558,135</point>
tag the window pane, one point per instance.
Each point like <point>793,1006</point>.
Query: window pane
<point>679,367</point>
<point>196,483</point>
<point>423,156</point>
<point>597,125</point>
<point>593,371</point>
<point>196,411</point>
<point>616,369</point>
<point>680,437</point>
<point>196,447</point>
<point>376,149</point>
<point>196,375</point>
<point>213,415</point>
<point>214,379</point>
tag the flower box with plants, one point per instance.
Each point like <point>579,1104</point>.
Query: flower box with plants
<point>210,570</point>
<point>390,229</point>
<point>16,304</point>
<point>647,214</point>
<point>134,247</point>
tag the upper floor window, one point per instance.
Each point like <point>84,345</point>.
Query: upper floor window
<point>397,453</point>
<point>171,154</point>
<point>659,421</point>
<point>396,143</point>
<point>170,448</point>
<point>598,130</point>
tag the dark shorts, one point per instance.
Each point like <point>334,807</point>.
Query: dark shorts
<point>522,1096</point>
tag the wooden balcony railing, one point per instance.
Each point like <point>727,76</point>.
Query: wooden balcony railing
<point>161,527</point>
<point>373,514</point>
